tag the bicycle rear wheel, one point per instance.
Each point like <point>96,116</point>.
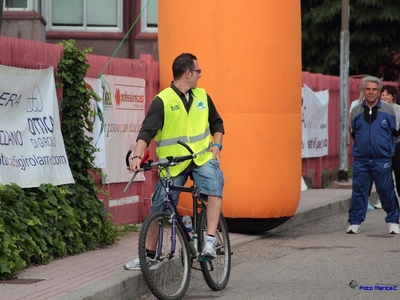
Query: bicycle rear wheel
<point>168,274</point>
<point>217,271</point>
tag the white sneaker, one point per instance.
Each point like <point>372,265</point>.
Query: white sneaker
<point>353,229</point>
<point>378,204</point>
<point>393,228</point>
<point>208,248</point>
<point>134,265</point>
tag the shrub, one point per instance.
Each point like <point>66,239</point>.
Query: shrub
<point>38,224</point>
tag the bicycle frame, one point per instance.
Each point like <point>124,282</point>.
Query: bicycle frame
<point>176,217</point>
<point>168,274</point>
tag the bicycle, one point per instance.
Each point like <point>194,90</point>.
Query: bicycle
<point>167,274</point>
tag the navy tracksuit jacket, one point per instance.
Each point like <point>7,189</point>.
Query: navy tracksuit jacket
<point>372,130</point>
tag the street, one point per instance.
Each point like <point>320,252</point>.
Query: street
<point>317,260</point>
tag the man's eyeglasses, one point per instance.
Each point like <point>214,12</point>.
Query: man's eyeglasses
<point>196,70</point>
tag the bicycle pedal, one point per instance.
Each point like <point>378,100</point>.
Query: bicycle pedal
<point>204,258</point>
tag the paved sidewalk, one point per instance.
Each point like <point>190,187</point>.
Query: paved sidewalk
<point>99,274</point>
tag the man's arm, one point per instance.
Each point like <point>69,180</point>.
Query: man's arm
<point>215,149</point>
<point>218,137</point>
<point>216,128</point>
<point>153,121</point>
<point>150,126</point>
<point>396,132</point>
<point>214,119</point>
<point>134,160</point>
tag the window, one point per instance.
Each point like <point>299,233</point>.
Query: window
<point>16,4</point>
<point>22,5</point>
<point>83,15</point>
<point>149,16</point>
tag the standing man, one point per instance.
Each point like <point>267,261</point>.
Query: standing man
<point>185,112</point>
<point>372,126</point>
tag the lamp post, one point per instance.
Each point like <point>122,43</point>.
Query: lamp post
<point>1,13</point>
<point>343,175</point>
<point>344,92</point>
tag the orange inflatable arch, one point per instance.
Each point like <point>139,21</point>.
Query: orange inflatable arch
<point>250,54</point>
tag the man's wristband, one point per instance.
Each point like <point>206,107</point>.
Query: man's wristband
<point>136,156</point>
<point>218,145</point>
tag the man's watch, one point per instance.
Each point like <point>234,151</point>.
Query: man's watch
<point>218,145</point>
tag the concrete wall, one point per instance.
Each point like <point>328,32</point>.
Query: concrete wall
<point>28,25</point>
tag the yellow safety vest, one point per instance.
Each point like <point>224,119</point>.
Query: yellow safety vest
<point>192,128</point>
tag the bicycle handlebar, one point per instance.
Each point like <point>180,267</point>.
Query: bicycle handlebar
<point>166,162</point>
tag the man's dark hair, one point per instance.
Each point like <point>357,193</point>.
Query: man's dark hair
<point>182,63</point>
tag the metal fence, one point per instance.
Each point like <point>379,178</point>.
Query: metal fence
<point>36,55</point>
<point>313,167</point>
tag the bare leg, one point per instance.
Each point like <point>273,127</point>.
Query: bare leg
<point>151,243</point>
<point>214,207</point>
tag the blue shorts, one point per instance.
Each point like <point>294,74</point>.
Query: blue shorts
<point>209,180</point>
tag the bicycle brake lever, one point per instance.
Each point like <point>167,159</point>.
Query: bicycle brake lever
<point>128,154</point>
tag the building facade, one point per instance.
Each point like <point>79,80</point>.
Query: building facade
<point>119,28</point>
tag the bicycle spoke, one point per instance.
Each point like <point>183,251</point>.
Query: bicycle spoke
<point>217,271</point>
<point>167,276</point>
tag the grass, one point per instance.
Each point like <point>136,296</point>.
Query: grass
<point>127,229</point>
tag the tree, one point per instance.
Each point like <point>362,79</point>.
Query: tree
<point>374,37</point>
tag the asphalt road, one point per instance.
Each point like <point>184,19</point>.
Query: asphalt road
<point>317,260</point>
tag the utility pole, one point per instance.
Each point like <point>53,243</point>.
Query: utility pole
<point>1,13</point>
<point>343,175</point>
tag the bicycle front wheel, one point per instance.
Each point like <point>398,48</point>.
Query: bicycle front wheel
<point>217,271</point>
<point>167,273</point>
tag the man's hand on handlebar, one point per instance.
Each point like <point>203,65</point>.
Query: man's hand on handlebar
<point>134,163</point>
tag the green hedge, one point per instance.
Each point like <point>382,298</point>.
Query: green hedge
<point>39,224</point>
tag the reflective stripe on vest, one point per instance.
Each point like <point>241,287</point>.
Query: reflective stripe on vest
<point>191,128</point>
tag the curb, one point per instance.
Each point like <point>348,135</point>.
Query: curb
<point>123,286</point>
<point>130,284</point>
<point>317,211</point>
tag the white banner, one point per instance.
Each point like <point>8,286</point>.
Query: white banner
<point>124,111</point>
<point>98,135</point>
<point>314,113</point>
<point>31,145</point>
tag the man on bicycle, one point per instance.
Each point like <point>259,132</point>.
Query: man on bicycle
<point>184,112</point>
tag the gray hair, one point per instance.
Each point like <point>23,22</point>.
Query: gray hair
<point>371,79</point>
